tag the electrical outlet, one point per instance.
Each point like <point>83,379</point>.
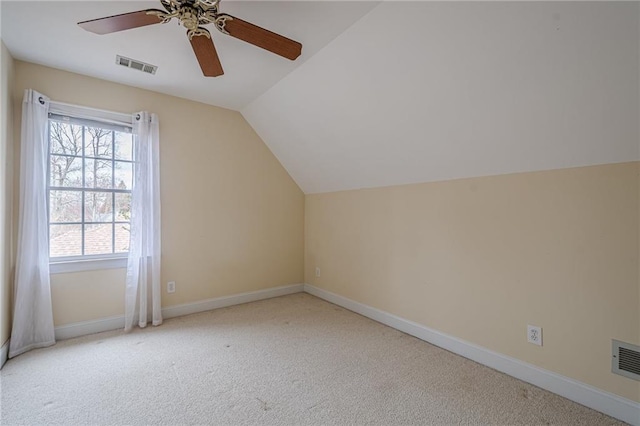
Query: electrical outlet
<point>534,335</point>
<point>171,287</point>
<point>317,271</point>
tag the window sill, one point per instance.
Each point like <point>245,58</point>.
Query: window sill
<point>64,266</point>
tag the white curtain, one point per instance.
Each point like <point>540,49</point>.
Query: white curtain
<point>32,315</point>
<point>143,266</point>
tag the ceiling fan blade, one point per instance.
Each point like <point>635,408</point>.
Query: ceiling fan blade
<point>265,39</point>
<point>125,21</point>
<point>207,56</point>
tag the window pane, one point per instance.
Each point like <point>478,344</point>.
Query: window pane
<point>97,158</point>
<point>65,206</point>
<point>98,206</point>
<point>124,146</point>
<point>97,173</point>
<point>123,175</point>
<point>65,138</point>
<point>98,142</point>
<point>65,171</point>
<point>65,240</point>
<point>97,238</point>
<point>122,237</point>
<point>123,207</point>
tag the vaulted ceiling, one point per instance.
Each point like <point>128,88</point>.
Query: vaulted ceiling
<point>388,93</point>
<point>426,91</point>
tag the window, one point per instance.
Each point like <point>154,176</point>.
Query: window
<point>89,185</point>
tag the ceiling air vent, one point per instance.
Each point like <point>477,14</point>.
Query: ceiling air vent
<point>136,65</point>
<point>626,359</point>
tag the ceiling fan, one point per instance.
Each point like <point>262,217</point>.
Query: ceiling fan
<point>193,14</point>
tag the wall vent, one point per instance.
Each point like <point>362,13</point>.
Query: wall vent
<point>625,359</point>
<point>136,65</point>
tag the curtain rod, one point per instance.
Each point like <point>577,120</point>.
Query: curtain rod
<point>95,113</point>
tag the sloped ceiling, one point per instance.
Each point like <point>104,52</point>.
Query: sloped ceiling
<point>425,91</point>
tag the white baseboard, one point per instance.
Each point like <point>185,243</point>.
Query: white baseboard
<point>114,323</point>
<point>605,402</point>
<point>83,328</point>
<point>4,353</point>
<point>223,302</point>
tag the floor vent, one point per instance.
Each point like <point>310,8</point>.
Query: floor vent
<point>626,360</point>
<point>136,65</point>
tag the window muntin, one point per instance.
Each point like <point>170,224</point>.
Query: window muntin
<point>89,187</point>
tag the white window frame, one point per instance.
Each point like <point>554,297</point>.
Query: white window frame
<point>58,265</point>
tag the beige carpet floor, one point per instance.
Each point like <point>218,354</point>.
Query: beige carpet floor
<point>292,360</point>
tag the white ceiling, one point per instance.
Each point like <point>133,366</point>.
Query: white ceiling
<point>425,91</point>
<point>47,33</point>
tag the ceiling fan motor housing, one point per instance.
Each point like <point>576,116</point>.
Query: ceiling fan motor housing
<point>189,17</point>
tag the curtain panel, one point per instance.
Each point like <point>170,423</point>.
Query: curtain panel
<point>32,313</point>
<point>143,265</point>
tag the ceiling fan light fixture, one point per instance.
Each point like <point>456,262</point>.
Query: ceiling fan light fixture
<point>191,14</point>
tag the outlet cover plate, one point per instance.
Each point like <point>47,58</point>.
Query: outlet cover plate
<point>171,287</point>
<point>534,335</point>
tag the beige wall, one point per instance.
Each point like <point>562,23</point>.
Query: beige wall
<point>481,258</point>
<point>6,191</point>
<point>232,218</point>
